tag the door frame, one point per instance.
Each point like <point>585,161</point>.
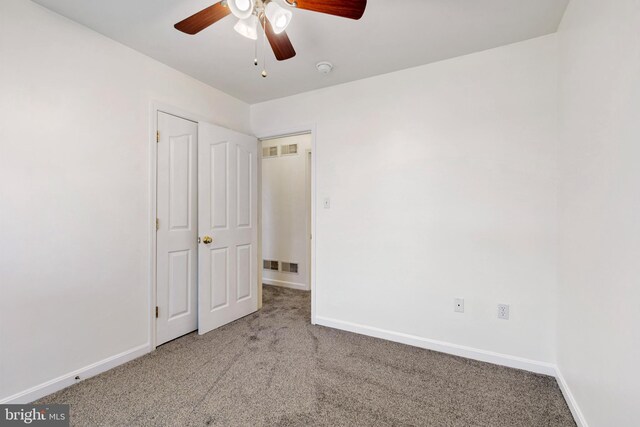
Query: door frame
<point>154,108</point>
<point>308,170</point>
<point>283,133</point>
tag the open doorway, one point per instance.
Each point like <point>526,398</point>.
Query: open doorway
<point>286,212</point>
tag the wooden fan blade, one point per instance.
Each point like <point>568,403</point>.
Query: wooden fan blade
<point>352,9</point>
<point>201,20</point>
<point>280,43</point>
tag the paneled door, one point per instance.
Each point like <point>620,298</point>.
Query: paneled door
<point>228,224</point>
<point>177,228</point>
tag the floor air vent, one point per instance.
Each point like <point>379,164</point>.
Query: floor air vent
<point>289,267</point>
<point>270,265</point>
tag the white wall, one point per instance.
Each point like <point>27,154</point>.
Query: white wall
<point>74,187</point>
<point>443,184</point>
<point>285,213</point>
<point>599,320</point>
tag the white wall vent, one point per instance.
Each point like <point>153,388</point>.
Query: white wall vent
<point>289,267</point>
<point>289,149</point>
<point>270,265</point>
<point>270,152</point>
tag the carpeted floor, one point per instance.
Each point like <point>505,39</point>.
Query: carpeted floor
<point>274,368</point>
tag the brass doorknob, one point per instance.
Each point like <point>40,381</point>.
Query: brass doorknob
<point>207,240</point>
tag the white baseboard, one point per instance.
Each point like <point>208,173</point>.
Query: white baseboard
<point>443,347</point>
<point>67,380</point>
<point>283,284</point>
<point>578,416</point>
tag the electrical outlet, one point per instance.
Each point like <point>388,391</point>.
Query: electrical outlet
<point>458,305</point>
<point>503,311</point>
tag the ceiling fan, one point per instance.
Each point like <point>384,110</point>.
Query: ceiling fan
<point>269,15</point>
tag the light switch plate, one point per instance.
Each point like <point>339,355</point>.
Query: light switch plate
<point>503,311</point>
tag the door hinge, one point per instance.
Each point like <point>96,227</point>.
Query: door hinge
<point>157,136</point>
<point>157,312</point>
<point>157,224</point>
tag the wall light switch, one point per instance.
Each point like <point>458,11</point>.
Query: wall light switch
<point>327,203</point>
<point>458,305</point>
<point>503,311</point>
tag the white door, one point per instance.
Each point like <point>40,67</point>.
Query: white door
<point>177,228</point>
<point>228,223</point>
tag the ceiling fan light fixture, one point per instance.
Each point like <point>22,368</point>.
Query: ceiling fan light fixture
<point>241,9</point>
<point>248,27</point>
<point>278,16</point>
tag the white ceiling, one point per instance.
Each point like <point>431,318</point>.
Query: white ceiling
<point>392,35</point>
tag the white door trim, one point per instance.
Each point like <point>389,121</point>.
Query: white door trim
<point>154,108</point>
<point>308,170</point>
<point>283,133</point>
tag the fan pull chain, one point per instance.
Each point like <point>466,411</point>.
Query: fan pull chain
<point>264,46</point>
<point>255,54</point>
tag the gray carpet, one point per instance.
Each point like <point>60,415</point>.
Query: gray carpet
<point>275,369</point>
